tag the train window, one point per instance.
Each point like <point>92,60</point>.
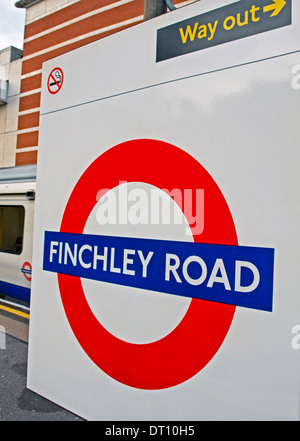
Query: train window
<point>11,228</point>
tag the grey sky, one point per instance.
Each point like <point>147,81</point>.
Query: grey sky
<point>11,24</point>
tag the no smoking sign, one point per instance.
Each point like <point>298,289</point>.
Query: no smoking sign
<point>55,80</point>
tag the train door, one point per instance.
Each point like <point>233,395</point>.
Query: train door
<point>16,230</point>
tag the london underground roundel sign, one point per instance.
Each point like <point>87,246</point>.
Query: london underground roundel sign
<point>182,353</point>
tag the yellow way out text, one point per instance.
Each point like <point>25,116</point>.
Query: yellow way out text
<point>208,30</point>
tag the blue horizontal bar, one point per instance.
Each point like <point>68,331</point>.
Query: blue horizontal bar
<point>236,275</point>
<point>15,291</point>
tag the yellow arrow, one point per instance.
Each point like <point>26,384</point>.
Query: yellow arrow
<point>277,6</point>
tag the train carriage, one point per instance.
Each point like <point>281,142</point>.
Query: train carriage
<point>17,195</point>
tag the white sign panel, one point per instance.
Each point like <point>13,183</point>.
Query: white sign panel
<point>166,252</point>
